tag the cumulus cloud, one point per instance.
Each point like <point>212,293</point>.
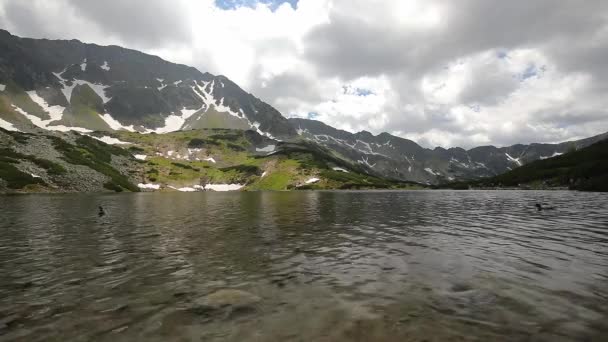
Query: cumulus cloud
<point>449,73</point>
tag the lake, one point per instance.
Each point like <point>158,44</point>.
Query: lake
<point>305,266</point>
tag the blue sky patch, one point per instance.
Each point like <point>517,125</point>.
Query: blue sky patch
<point>312,115</point>
<point>356,91</point>
<point>234,4</point>
<point>530,71</point>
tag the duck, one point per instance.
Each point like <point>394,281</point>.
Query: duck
<point>540,207</point>
<point>101,211</point>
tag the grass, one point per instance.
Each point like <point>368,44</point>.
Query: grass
<point>288,168</point>
<point>85,108</point>
<point>16,179</point>
<point>279,180</point>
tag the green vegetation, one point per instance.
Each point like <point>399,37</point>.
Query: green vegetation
<point>96,155</point>
<point>246,169</point>
<point>19,137</point>
<point>85,108</point>
<point>279,180</point>
<point>585,169</point>
<point>289,167</point>
<point>113,186</point>
<point>21,99</point>
<point>16,179</point>
<point>10,156</point>
<point>200,143</point>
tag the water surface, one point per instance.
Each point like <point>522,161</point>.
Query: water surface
<point>328,266</point>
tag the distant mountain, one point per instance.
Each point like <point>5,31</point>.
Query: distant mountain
<point>584,169</point>
<point>394,157</point>
<point>63,85</point>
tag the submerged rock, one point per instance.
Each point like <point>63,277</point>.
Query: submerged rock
<point>225,303</point>
<point>230,298</point>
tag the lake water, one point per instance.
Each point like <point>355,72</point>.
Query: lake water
<point>320,266</point>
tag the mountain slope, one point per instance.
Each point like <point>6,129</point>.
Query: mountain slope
<point>583,169</point>
<point>394,157</point>
<point>66,162</point>
<point>194,160</point>
<point>57,85</point>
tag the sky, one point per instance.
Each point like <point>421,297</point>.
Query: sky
<point>440,72</point>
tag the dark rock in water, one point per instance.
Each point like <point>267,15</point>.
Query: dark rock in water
<point>6,322</point>
<point>225,303</point>
<point>203,310</point>
<point>24,286</point>
<point>460,287</point>
<point>101,211</point>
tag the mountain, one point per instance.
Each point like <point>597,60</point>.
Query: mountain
<point>62,85</point>
<point>393,157</point>
<point>52,86</point>
<point>583,169</point>
<point>192,160</point>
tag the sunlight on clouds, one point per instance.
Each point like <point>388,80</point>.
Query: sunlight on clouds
<point>445,73</point>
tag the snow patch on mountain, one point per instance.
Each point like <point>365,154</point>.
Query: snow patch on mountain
<point>148,186</point>
<point>269,148</point>
<point>8,126</point>
<point>555,154</point>
<point>44,124</point>
<point>222,108</point>
<point>175,122</point>
<point>162,84</point>
<point>109,140</point>
<point>55,112</point>
<point>223,187</point>
<point>210,159</point>
<point>340,169</point>
<point>140,156</point>
<point>431,171</point>
<point>214,187</point>
<point>365,161</point>
<point>105,66</point>
<point>99,89</point>
<point>312,180</point>
<point>114,124</point>
<point>83,65</point>
<point>2,87</point>
<point>514,160</point>
<point>205,93</point>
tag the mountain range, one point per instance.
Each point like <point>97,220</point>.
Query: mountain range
<point>60,85</point>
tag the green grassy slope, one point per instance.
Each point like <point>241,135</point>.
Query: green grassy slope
<point>183,159</point>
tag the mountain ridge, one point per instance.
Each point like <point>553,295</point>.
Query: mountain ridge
<point>64,85</point>
<point>400,158</point>
<point>138,91</point>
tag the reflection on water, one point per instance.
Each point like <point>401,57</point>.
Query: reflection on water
<point>328,266</point>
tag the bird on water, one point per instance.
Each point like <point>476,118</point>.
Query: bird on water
<point>101,211</point>
<point>540,207</point>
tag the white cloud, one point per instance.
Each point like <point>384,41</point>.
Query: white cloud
<point>440,72</point>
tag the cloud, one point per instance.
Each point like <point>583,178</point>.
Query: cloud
<point>440,72</point>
